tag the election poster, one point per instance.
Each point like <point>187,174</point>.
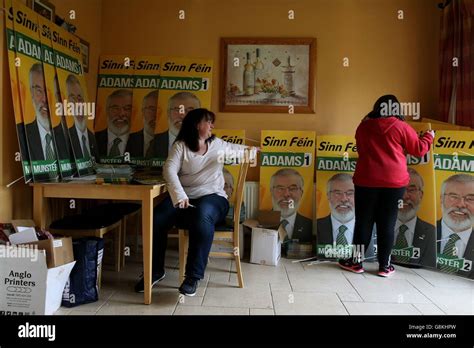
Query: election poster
<point>67,164</point>
<point>78,109</point>
<point>286,185</point>
<point>15,89</point>
<point>231,168</point>
<point>114,108</point>
<point>454,172</point>
<point>231,177</point>
<point>145,111</point>
<point>415,232</point>
<point>185,85</point>
<point>33,98</point>
<point>336,158</point>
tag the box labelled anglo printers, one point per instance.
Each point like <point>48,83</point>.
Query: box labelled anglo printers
<point>267,236</point>
<point>27,285</point>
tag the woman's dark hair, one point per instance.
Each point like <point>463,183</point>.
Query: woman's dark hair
<point>386,106</point>
<point>189,128</point>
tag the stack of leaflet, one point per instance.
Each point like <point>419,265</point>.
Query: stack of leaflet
<point>114,174</point>
<point>85,179</point>
<point>148,176</point>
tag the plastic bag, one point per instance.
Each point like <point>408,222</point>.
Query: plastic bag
<point>83,284</point>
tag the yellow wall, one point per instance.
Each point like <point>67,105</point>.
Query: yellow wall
<point>386,55</point>
<point>16,202</point>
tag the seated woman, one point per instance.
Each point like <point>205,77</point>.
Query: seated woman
<point>196,201</point>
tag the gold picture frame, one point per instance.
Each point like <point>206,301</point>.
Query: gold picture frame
<point>85,48</point>
<point>43,8</point>
<point>267,75</point>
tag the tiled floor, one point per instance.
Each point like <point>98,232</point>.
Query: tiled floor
<point>288,289</point>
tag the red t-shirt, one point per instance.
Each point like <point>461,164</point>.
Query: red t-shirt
<point>382,144</point>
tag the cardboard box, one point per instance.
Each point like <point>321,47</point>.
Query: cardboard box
<point>19,225</point>
<point>58,251</point>
<point>267,236</point>
<point>27,286</point>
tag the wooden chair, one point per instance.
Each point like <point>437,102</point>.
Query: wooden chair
<point>98,221</point>
<point>128,212</point>
<point>229,233</point>
<point>79,226</point>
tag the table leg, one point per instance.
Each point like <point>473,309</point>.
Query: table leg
<point>39,207</point>
<point>147,237</point>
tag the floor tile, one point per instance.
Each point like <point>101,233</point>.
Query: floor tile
<point>378,289</point>
<point>236,297</point>
<point>444,280</point>
<point>195,310</point>
<point>428,309</point>
<point>307,303</point>
<point>349,297</point>
<point>190,301</point>
<point>451,301</point>
<point>320,288</point>
<point>89,307</point>
<point>316,280</point>
<point>260,311</point>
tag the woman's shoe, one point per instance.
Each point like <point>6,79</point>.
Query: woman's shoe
<point>155,278</point>
<point>189,286</point>
<point>386,271</point>
<point>349,265</point>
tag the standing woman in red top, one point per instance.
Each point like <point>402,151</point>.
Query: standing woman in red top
<point>383,139</point>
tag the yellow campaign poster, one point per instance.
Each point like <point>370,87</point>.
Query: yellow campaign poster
<point>15,88</point>
<point>415,233</point>
<point>67,165</point>
<point>454,170</point>
<point>336,158</point>
<point>76,105</point>
<point>185,85</point>
<point>231,177</point>
<point>231,169</point>
<point>286,185</point>
<point>114,108</point>
<point>145,111</point>
<point>33,99</point>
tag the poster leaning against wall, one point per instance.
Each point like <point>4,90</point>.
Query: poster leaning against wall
<point>145,111</point>
<point>67,164</point>
<point>286,185</point>
<point>454,171</point>
<point>114,108</point>
<point>15,89</point>
<point>78,109</point>
<point>185,85</point>
<point>33,95</point>
<point>415,233</point>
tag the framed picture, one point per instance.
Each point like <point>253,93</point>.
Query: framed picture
<point>85,55</point>
<point>267,75</point>
<point>43,7</point>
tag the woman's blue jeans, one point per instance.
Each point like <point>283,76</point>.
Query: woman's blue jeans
<point>200,222</point>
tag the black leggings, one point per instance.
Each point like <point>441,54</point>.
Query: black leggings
<point>376,205</point>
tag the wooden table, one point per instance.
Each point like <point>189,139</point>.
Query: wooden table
<point>143,193</point>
